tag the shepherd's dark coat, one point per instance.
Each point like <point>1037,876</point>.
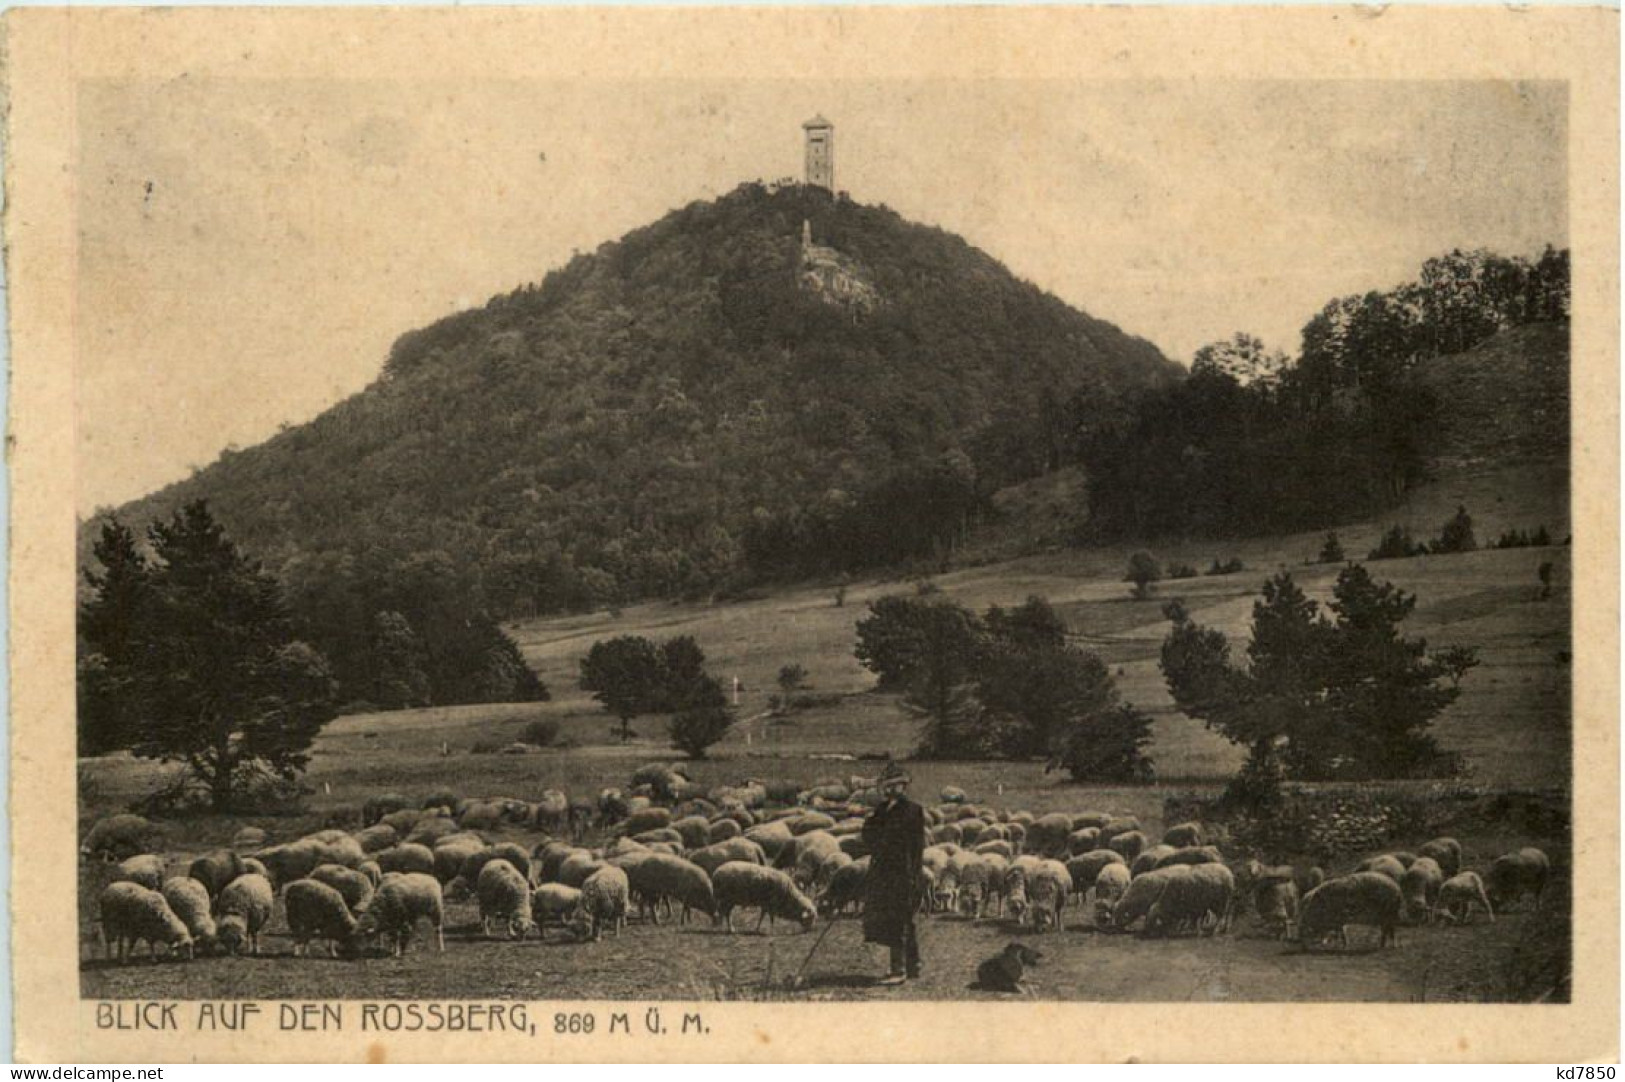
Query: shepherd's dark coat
<point>895,836</point>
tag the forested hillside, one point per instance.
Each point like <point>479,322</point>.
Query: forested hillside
<point>677,412</point>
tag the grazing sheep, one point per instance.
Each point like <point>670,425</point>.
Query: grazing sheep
<point>693,830</point>
<point>1362,898</point>
<point>1192,901</point>
<point>1050,835</point>
<point>352,884</point>
<point>546,858</point>
<point>999,847</point>
<point>1085,840</point>
<point>399,903</point>
<point>120,836</point>
<point>604,897</point>
<point>248,838</point>
<point>1148,860</point>
<point>970,831</point>
<point>555,903</point>
<point>1307,879</point>
<point>659,836</point>
<point>553,812</point>
<point>773,837</point>
<point>1143,893</point>
<point>1112,827</point>
<point>132,913</point>
<point>504,894</point>
<point>317,911</point>
<point>407,858</point>
<point>807,855</point>
<point>1048,887</point>
<point>189,900</point>
<point>1086,867</point>
<point>1419,889</point>
<point>292,861</point>
<point>1090,820</point>
<point>1386,864</point>
<point>430,829</point>
<point>442,799</point>
<point>475,862</point>
<point>146,869</point>
<point>720,830</point>
<point>215,869</point>
<point>379,806</point>
<point>806,824</point>
<point>1130,843</point>
<point>751,886</point>
<point>1458,895</point>
<point>1197,854</point>
<point>1183,835</point>
<point>1446,852</point>
<point>845,888</point>
<point>715,856</point>
<point>660,877</point>
<point>952,794</point>
<point>650,818</point>
<point>1276,903</point>
<point>402,822</point>
<point>578,867</point>
<point>827,872</point>
<point>1111,884</point>
<point>1516,874</point>
<point>451,852</point>
<point>241,910</point>
<point>372,871</point>
<point>378,837</point>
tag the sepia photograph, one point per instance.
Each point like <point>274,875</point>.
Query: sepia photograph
<point>765,538</point>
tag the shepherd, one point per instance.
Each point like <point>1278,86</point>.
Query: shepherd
<point>895,835</point>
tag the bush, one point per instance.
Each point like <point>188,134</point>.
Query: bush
<point>695,729</point>
<point>1456,535</point>
<point>792,677</point>
<point>1396,544</point>
<point>1143,570</point>
<point>1518,539</point>
<point>542,732</point>
<point>1228,567</point>
<point>1181,571</point>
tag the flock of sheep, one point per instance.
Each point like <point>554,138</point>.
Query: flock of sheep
<point>668,851</point>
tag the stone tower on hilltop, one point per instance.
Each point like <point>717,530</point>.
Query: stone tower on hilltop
<point>820,153</point>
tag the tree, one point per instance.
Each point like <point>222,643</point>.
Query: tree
<point>1033,623</point>
<point>1347,696</point>
<point>791,678</point>
<point>1457,535</point>
<point>624,674</point>
<point>399,656</point>
<point>1242,358</point>
<point>220,682</point>
<point>1108,745</point>
<point>1332,551</point>
<point>1143,570</point>
<point>109,624</point>
<point>1061,703</point>
<point>941,683</point>
<point>892,639</point>
<point>702,718</point>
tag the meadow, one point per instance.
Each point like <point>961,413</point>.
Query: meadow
<point>1511,724</point>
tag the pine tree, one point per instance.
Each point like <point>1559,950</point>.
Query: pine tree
<point>221,683</point>
<point>109,625</point>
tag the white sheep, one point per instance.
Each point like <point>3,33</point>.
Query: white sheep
<point>1363,898</point>
<point>1183,835</point>
<point>1147,860</point>
<point>1111,883</point>
<point>751,886</point>
<point>146,869</point>
<point>406,858</point>
<point>120,836</point>
<point>352,884</point>
<point>504,894</point>
<point>1419,889</point>
<point>660,878</point>
<point>189,900</point>
<point>317,911</point>
<point>1458,895</point>
<point>1446,852</point>
<point>214,870</point>
<point>243,908</point>
<point>1385,864</point>
<point>553,902</point>
<point>399,903</point>
<point>1048,887</point>
<point>1085,867</point>
<point>1193,901</point>
<point>605,895</point>
<point>845,888</point>
<point>131,913</point>
<point>1144,891</point>
<point>578,867</point>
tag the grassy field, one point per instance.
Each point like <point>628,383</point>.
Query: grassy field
<point>1511,724</point>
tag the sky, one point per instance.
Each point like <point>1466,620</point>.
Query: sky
<point>260,243</point>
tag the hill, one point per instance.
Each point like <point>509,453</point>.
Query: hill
<point>712,394</point>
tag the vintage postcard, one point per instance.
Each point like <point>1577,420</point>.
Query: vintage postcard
<point>1013,533</point>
